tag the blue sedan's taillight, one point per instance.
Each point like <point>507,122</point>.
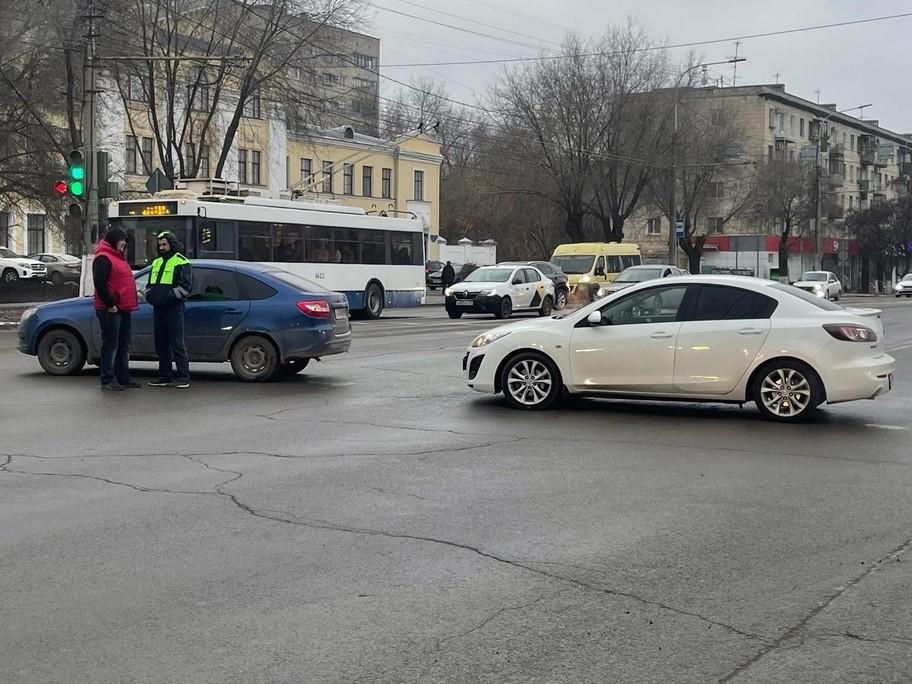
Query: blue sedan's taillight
<point>315,308</point>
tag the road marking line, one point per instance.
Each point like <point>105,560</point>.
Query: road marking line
<point>885,427</point>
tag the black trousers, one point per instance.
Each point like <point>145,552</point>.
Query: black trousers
<point>169,343</point>
<point>115,346</point>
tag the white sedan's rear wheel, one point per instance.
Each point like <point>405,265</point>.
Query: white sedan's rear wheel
<point>787,391</point>
<point>530,381</point>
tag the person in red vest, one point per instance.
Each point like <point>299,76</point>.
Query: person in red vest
<point>115,299</point>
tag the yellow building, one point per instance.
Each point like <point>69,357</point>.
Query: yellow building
<point>400,177</point>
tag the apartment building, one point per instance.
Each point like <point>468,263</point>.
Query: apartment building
<point>856,158</point>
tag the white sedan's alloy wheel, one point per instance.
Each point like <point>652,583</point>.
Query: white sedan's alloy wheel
<point>530,381</point>
<point>785,392</point>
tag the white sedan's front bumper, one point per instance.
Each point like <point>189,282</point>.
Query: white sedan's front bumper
<point>480,368</point>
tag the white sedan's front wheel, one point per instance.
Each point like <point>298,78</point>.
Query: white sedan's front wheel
<point>530,381</point>
<point>787,391</point>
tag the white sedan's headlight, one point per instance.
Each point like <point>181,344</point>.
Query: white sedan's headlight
<point>447,292</point>
<point>488,293</point>
<point>488,338</point>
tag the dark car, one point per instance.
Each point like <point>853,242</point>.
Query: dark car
<point>432,271</point>
<point>265,321</point>
<point>61,268</point>
<point>554,274</point>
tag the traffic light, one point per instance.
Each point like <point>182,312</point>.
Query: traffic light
<point>60,187</point>
<point>76,173</point>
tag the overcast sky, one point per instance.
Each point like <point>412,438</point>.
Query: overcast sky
<point>850,66</point>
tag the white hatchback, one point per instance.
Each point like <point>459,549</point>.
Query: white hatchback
<point>501,290</point>
<point>694,338</point>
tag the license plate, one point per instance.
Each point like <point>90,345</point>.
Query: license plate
<point>341,314</point>
<point>461,303</point>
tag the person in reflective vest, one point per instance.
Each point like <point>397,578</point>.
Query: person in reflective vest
<point>170,282</point>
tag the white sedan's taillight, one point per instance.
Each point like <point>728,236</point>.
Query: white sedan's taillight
<point>848,332</point>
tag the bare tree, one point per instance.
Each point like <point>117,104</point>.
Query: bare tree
<point>785,195</point>
<point>714,185</point>
<point>250,56</point>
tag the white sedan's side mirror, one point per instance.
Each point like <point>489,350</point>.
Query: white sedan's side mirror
<point>595,318</point>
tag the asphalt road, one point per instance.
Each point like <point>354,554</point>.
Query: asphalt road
<point>375,521</point>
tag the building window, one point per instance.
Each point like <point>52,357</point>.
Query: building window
<point>204,161</point>
<point>134,88</point>
<point>252,107</point>
<point>791,155</point>
<point>717,189</point>
<point>306,174</point>
<point>716,117</point>
<point>189,159</point>
<point>365,61</point>
<point>348,179</point>
<point>332,79</point>
<point>242,166</point>
<point>772,118</point>
<point>792,124</point>
<point>255,178</point>
<point>199,83</point>
<point>653,226</point>
<point>851,201</point>
<point>36,228</point>
<point>769,151</point>
<point>386,184</point>
<point>419,186</point>
<point>716,224</point>
<point>4,229</point>
<point>287,171</point>
<point>147,155</point>
<point>801,127</point>
<point>367,181</point>
<point>328,177</point>
<point>131,154</point>
<point>852,143</point>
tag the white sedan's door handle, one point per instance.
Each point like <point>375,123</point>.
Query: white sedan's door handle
<point>661,336</point>
<point>750,331</point>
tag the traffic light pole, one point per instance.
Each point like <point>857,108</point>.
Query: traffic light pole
<point>90,224</point>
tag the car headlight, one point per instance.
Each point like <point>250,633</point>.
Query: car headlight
<point>818,286</point>
<point>447,292</point>
<point>488,338</point>
<point>602,292</point>
<point>24,265</point>
<point>488,293</point>
<point>27,314</point>
<point>585,279</point>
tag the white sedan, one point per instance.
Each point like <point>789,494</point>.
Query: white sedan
<point>820,284</point>
<point>694,338</point>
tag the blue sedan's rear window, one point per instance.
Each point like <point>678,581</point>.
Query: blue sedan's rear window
<point>296,281</point>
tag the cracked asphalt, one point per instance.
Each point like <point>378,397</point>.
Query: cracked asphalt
<point>372,520</point>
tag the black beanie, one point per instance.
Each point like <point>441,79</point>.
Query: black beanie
<point>114,235</point>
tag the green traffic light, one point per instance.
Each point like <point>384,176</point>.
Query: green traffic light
<point>77,173</point>
<point>76,188</point>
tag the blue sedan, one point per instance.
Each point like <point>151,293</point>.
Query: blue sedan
<point>265,321</point>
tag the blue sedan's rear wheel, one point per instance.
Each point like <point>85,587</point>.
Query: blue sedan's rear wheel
<point>254,359</point>
<point>293,367</point>
<point>60,352</point>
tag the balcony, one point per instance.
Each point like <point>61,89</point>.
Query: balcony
<point>784,136</point>
<point>905,169</point>
<point>835,180</point>
<point>866,156</point>
<point>837,151</point>
<point>864,185</point>
<point>836,212</point>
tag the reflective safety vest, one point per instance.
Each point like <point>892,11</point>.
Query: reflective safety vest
<point>165,276</point>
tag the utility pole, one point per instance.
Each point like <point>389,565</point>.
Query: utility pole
<point>88,127</point>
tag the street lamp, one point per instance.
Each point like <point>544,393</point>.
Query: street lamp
<point>818,261</point>
<point>673,209</point>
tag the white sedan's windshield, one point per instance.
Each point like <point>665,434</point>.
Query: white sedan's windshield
<point>489,275</point>
<point>814,275</point>
<point>638,275</point>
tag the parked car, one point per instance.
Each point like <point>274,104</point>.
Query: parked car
<point>904,287</point>
<point>820,284</point>
<point>265,321</point>
<point>432,271</point>
<point>554,274</point>
<point>724,339</point>
<point>639,274</point>
<point>501,291</point>
<point>61,268</point>
<point>14,268</point>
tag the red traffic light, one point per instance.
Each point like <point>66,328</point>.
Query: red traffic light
<point>60,187</point>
